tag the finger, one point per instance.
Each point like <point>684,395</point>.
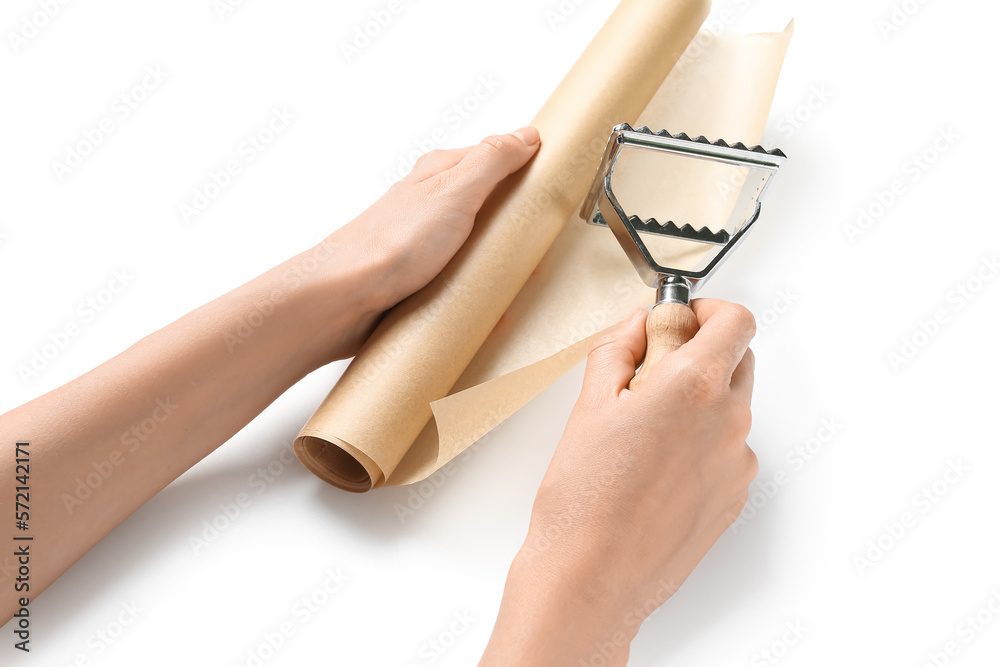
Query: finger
<point>742,383</point>
<point>491,161</point>
<point>725,332</point>
<point>436,161</point>
<point>612,361</point>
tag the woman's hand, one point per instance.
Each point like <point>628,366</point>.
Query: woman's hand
<point>641,485</point>
<point>205,376</point>
<point>400,243</point>
<point>415,229</point>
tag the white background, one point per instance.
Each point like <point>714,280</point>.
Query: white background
<point>882,100</point>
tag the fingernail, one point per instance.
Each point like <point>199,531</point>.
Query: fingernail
<point>528,135</point>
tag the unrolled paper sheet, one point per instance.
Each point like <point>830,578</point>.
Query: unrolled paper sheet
<point>520,303</point>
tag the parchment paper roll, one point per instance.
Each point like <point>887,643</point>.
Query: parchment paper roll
<point>429,356</point>
<point>584,283</point>
<point>382,403</point>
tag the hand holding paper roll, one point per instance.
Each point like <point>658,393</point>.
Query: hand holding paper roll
<point>377,425</point>
<point>625,464</point>
<point>642,484</point>
<point>453,361</point>
<point>415,229</point>
<point>200,380</point>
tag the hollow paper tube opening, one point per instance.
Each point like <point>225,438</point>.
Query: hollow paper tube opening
<point>333,464</point>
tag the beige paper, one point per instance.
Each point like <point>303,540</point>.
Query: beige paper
<point>375,428</point>
<point>423,346</point>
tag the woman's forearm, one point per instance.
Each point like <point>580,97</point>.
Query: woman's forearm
<point>105,443</point>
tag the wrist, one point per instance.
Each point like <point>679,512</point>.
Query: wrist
<point>350,277</point>
<point>371,265</point>
<point>554,613</point>
<point>327,298</point>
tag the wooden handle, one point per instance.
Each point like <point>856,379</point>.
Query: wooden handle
<point>668,326</point>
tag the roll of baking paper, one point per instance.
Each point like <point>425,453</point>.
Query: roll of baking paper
<point>585,282</point>
<point>376,426</point>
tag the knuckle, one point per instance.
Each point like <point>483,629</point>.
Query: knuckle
<point>743,318</point>
<point>442,183</point>
<point>703,381</point>
<point>496,145</point>
<point>686,368</point>
<point>446,186</point>
<point>704,385</point>
<point>605,341</point>
<point>427,158</point>
<point>597,358</point>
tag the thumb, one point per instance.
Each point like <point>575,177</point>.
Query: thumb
<point>492,160</point>
<point>612,361</point>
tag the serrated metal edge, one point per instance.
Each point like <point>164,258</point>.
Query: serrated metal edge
<point>669,228</point>
<point>683,136</point>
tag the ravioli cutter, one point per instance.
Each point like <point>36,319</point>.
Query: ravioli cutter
<point>724,191</point>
